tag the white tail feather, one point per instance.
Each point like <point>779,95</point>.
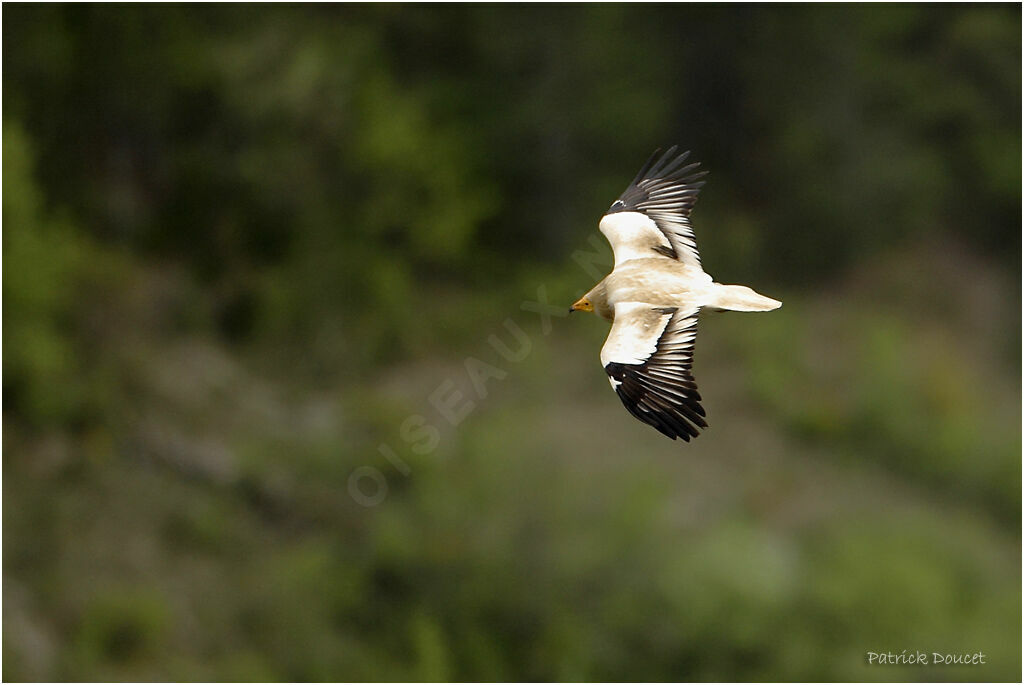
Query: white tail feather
<point>740,298</point>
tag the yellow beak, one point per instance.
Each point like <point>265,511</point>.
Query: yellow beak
<point>581,305</point>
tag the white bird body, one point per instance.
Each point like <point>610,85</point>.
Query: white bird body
<point>654,294</point>
<point>658,281</point>
<point>661,282</point>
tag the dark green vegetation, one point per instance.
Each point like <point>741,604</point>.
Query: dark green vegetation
<point>242,245</point>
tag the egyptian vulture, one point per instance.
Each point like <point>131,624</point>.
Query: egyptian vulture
<point>654,293</point>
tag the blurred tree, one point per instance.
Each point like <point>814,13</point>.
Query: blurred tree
<point>276,150</point>
<point>244,243</point>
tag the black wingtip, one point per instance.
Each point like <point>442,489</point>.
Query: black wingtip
<point>667,165</point>
<point>646,166</point>
<point>666,189</point>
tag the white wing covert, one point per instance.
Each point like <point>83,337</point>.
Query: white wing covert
<point>653,213</point>
<point>648,356</point>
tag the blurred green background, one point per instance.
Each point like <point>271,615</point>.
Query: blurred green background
<point>245,245</point>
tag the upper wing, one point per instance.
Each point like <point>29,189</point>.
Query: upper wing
<point>654,211</point>
<point>648,356</point>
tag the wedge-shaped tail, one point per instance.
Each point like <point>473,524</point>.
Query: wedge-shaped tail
<point>740,298</point>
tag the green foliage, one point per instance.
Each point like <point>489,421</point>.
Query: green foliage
<point>245,244</point>
<point>914,395</point>
<point>118,629</point>
<point>52,272</point>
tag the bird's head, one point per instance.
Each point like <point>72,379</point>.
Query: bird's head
<point>581,305</point>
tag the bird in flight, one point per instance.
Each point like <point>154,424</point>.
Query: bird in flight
<point>654,293</point>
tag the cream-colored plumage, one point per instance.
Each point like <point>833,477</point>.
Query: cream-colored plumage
<point>654,294</point>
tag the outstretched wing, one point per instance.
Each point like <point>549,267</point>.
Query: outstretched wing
<point>653,214</point>
<point>648,356</point>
